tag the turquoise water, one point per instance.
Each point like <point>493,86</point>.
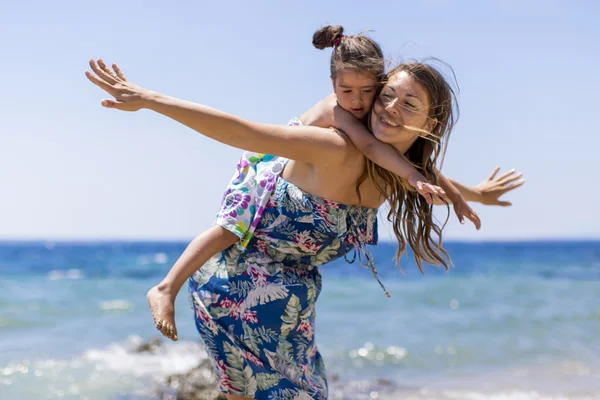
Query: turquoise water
<point>509,321</point>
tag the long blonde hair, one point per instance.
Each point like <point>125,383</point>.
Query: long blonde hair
<point>410,215</point>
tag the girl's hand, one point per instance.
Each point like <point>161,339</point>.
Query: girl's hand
<point>128,97</point>
<point>424,188</point>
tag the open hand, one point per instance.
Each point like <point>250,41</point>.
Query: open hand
<point>127,96</point>
<point>462,210</point>
<point>493,187</point>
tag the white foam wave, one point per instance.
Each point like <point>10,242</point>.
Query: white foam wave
<point>58,274</point>
<point>158,258</point>
<point>170,358</point>
<point>98,373</point>
<point>116,305</point>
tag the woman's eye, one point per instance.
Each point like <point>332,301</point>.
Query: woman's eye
<point>409,105</point>
<point>347,91</point>
<point>368,91</point>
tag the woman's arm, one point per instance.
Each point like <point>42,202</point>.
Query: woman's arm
<point>489,190</point>
<point>308,144</point>
<point>468,192</point>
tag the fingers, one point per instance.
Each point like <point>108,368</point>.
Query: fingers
<point>513,186</point>
<point>428,198</point>
<point>428,190</point>
<point>504,175</point>
<point>510,178</point>
<point>459,215</point>
<point>493,174</point>
<point>440,192</point>
<point>504,203</point>
<point>118,72</point>
<point>422,190</point>
<point>100,83</point>
<point>110,103</point>
<point>474,218</point>
<point>103,75</point>
<point>104,68</point>
<point>466,211</point>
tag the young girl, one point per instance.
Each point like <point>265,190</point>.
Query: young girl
<point>357,70</point>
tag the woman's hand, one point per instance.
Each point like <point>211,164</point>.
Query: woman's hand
<point>312,145</point>
<point>128,97</point>
<point>462,210</point>
<point>493,187</point>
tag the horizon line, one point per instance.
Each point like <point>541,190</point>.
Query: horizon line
<point>541,239</point>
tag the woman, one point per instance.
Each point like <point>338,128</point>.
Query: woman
<point>255,306</point>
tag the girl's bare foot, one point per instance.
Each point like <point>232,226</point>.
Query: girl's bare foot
<point>162,305</point>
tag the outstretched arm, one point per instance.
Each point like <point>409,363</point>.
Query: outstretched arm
<point>489,191</point>
<point>308,144</point>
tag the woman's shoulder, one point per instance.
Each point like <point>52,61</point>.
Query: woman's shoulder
<point>345,151</point>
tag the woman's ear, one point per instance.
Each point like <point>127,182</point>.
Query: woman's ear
<point>431,124</point>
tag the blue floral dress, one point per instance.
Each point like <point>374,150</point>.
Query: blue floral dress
<point>254,303</point>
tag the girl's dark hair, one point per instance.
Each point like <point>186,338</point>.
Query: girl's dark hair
<point>354,52</point>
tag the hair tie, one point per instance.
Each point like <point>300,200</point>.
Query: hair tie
<point>338,40</point>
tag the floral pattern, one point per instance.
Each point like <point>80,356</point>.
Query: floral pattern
<point>254,303</point>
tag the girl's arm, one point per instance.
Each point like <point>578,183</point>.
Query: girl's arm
<point>380,153</point>
<point>309,144</point>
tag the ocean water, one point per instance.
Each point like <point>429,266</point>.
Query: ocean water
<point>509,321</point>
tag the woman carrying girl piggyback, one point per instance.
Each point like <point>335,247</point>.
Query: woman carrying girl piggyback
<point>357,68</point>
<point>305,197</point>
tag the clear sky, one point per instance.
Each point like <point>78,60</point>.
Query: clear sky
<point>70,169</point>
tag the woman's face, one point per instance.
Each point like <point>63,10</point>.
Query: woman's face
<point>402,103</point>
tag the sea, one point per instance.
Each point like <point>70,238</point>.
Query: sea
<point>509,321</point>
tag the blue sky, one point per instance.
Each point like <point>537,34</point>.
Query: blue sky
<point>70,169</point>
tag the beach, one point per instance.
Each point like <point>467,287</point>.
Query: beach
<point>511,320</point>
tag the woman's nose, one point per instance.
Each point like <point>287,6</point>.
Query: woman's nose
<point>391,107</point>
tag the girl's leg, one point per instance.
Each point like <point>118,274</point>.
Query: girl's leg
<point>162,296</point>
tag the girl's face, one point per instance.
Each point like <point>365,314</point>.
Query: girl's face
<point>355,91</point>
